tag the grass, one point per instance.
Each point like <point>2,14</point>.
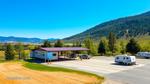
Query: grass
<point>5,61</point>
<point>40,67</point>
<point>2,61</point>
<point>2,53</point>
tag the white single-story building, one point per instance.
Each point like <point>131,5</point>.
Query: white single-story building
<point>53,53</point>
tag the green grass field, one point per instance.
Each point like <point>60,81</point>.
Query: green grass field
<point>40,67</point>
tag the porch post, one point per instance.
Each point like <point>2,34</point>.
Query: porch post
<point>58,55</point>
<point>45,58</point>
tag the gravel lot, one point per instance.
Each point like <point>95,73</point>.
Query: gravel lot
<point>105,66</point>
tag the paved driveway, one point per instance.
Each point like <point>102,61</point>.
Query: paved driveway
<point>137,74</point>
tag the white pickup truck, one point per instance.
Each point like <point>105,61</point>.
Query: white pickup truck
<point>143,54</point>
<point>124,59</point>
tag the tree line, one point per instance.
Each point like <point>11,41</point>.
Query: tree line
<point>16,50</point>
<point>13,51</point>
<point>106,46</point>
<point>110,45</point>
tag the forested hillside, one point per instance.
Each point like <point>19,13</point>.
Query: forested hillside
<point>132,26</point>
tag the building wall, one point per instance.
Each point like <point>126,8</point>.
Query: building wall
<point>44,55</point>
<point>52,55</point>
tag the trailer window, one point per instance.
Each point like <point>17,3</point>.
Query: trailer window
<point>124,58</point>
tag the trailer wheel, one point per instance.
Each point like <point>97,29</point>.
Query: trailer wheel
<point>147,57</point>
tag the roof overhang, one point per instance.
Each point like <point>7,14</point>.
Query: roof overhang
<point>59,49</point>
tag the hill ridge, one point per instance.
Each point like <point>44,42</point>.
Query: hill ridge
<point>136,25</point>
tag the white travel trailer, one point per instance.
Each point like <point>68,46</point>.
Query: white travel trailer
<point>143,54</point>
<point>124,59</point>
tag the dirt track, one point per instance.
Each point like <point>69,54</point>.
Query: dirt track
<point>13,73</point>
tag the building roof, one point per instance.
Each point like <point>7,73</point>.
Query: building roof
<point>64,49</point>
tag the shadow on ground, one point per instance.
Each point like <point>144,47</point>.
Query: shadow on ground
<point>121,64</point>
<point>36,60</point>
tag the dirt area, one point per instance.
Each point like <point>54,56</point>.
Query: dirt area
<point>15,73</point>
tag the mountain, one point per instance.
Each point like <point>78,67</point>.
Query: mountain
<point>135,25</point>
<point>23,39</point>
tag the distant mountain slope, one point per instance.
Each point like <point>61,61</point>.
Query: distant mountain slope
<point>135,25</point>
<point>22,39</point>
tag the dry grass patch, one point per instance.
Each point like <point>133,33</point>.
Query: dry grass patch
<point>15,73</point>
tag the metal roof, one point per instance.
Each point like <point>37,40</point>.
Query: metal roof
<point>56,49</point>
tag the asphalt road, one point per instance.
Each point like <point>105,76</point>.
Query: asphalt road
<point>140,75</point>
<point>105,66</point>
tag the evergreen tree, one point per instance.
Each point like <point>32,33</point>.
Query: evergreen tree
<point>132,47</point>
<point>88,42</point>
<point>59,43</point>
<point>77,44</point>
<point>102,48</point>
<point>112,42</point>
<point>9,52</point>
<point>47,44</point>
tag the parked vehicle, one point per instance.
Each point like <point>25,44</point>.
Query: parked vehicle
<point>84,56</point>
<point>124,59</point>
<point>143,54</point>
<point>73,56</point>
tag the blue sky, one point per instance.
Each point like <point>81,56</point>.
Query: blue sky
<point>62,18</point>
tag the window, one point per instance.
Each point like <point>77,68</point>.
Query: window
<point>54,54</point>
<point>124,58</point>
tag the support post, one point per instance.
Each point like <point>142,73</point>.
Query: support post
<point>45,58</point>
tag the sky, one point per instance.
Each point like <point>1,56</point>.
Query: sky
<point>62,18</point>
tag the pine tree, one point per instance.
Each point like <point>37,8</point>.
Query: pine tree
<point>47,44</point>
<point>9,52</point>
<point>102,48</point>
<point>59,43</point>
<point>132,47</point>
<point>112,42</point>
